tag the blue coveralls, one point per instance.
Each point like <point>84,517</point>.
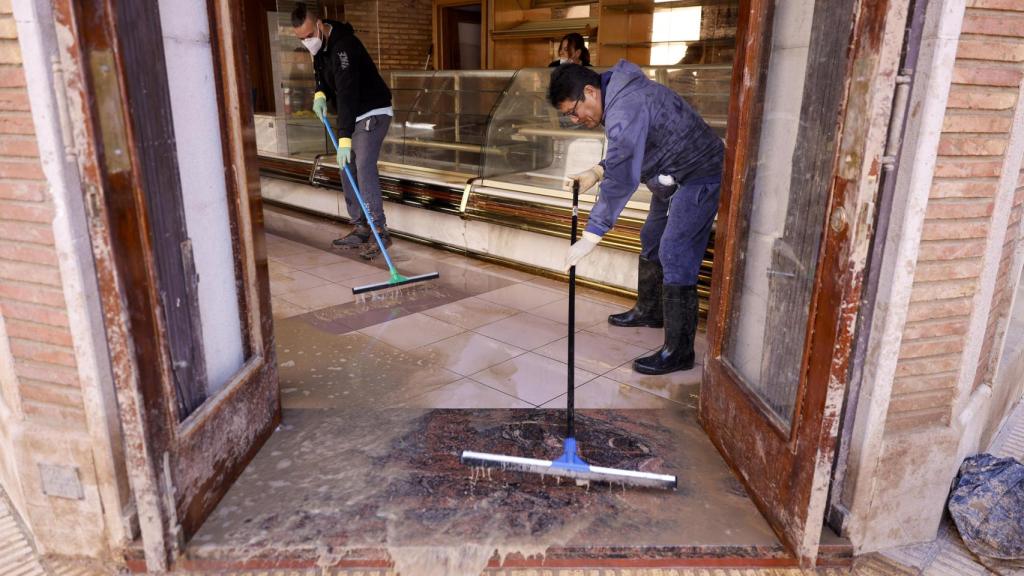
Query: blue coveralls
<point>651,130</point>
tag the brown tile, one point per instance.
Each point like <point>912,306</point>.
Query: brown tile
<point>284,281</point>
<point>510,273</point>
<point>464,394</point>
<point>605,393</point>
<point>531,377</point>
<point>470,281</point>
<point>588,312</point>
<point>522,296</point>
<point>354,316</point>
<point>375,277</point>
<point>470,313</point>
<point>278,247</point>
<point>594,353</point>
<point>320,296</point>
<point>352,371</point>
<point>412,331</point>
<point>468,353</point>
<point>679,387</point>
<point>561,286</point>
<point>601,296</point>
<point>524,330</point>
<point>648,338</point>
<point>342,271</point>
<point>284,309</point>
<point>312,259</point>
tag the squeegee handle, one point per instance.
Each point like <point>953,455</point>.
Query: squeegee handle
<point>359,197</point>
<point>570,406</point>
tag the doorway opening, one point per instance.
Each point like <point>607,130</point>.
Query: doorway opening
<point>461,35</point>
<point>380,396</point>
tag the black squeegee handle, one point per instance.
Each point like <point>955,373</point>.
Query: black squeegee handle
<point>570,407</point>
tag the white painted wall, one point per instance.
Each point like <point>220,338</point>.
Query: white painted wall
<point>791,38</point>
<point>606,265</point>
<point>186,35</point>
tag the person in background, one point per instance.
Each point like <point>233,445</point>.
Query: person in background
<point>572,50</point>
<point>653,136</point>
<point>347,77</point>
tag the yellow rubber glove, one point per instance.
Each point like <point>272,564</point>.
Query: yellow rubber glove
<point>587,179</point>
<point>344,152</point>
<point>580,249</point>
<point>320,105</point>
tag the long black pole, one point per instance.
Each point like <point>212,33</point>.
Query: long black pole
<point>570,410</point>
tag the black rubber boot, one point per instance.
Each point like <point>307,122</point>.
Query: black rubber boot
<point>357,238</point>
<point>371,250</point>
<point>680,329</point>
<point>647,311</point>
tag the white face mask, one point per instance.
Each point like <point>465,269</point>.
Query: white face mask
<point>564,60</point>
<point>313,43</point>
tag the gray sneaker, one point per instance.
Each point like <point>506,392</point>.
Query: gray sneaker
<point>357,238</point>
<point>371,250</point>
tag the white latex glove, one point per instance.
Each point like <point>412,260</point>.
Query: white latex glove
<point>580,249</point>
<point>587,179</point>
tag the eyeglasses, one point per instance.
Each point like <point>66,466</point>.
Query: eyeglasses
<point>572,113</point>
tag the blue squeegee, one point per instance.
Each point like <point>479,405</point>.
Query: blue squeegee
<point>569,464</point>
<point>396,278</point>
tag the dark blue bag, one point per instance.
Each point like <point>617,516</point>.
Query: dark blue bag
<point>987,505</point>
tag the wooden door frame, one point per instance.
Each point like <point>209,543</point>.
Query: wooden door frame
<point>869,80</point>
<point>439,6</point>
<point>168,461</point>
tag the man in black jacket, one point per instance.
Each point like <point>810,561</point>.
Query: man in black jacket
<point>346,75</point>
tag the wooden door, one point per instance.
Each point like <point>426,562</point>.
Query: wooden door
<point>795,215</point>
<point>196,386</point>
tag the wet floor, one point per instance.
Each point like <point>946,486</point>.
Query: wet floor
<point>381,395</point>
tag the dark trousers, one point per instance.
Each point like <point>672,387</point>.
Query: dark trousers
<point>367,141</point>
<point>678,227</point>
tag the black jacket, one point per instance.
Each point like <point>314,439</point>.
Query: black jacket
<point>346,74</point>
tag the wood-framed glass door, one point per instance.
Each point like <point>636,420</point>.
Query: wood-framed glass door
<point>786,284</point>
<point>159,95</point>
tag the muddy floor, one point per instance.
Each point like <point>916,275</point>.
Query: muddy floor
<point>381,395</point>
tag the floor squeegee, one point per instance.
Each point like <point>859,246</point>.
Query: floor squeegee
<point>570,464</point>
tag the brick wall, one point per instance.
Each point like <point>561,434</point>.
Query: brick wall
<point>42,420</point>
<point>982,101</point>
<point>397,33</point>
<point>31,298</point>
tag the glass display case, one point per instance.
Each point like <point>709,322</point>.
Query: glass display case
<point>441,120</point>
<point>541,148</point>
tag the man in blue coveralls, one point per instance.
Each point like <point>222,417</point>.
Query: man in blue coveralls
<point>653,136</point>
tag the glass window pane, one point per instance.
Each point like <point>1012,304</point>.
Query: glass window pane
<point>197,135</point>
<point>777,262</point>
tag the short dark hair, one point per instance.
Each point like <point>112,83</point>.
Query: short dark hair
<point>568,81</point>
<point>301,12</point>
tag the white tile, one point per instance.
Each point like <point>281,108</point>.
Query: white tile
<point>412,331</point>
<point>314,259</point>
<point>531,377</point>
<point>524,330</point>
<point>282,308</point>
<point>594,353</point>
<point>521,296</point>
<point>466,394</point>
<point>681,386</point>
<point>647,338</point>
<point>320,296</point>
<point>605,393</point>
<point>588,312</point>
<point>468,353</point>
<point>471,313</point>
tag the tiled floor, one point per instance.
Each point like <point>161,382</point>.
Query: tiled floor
<point>498,327</point>
<point>380,395</point>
